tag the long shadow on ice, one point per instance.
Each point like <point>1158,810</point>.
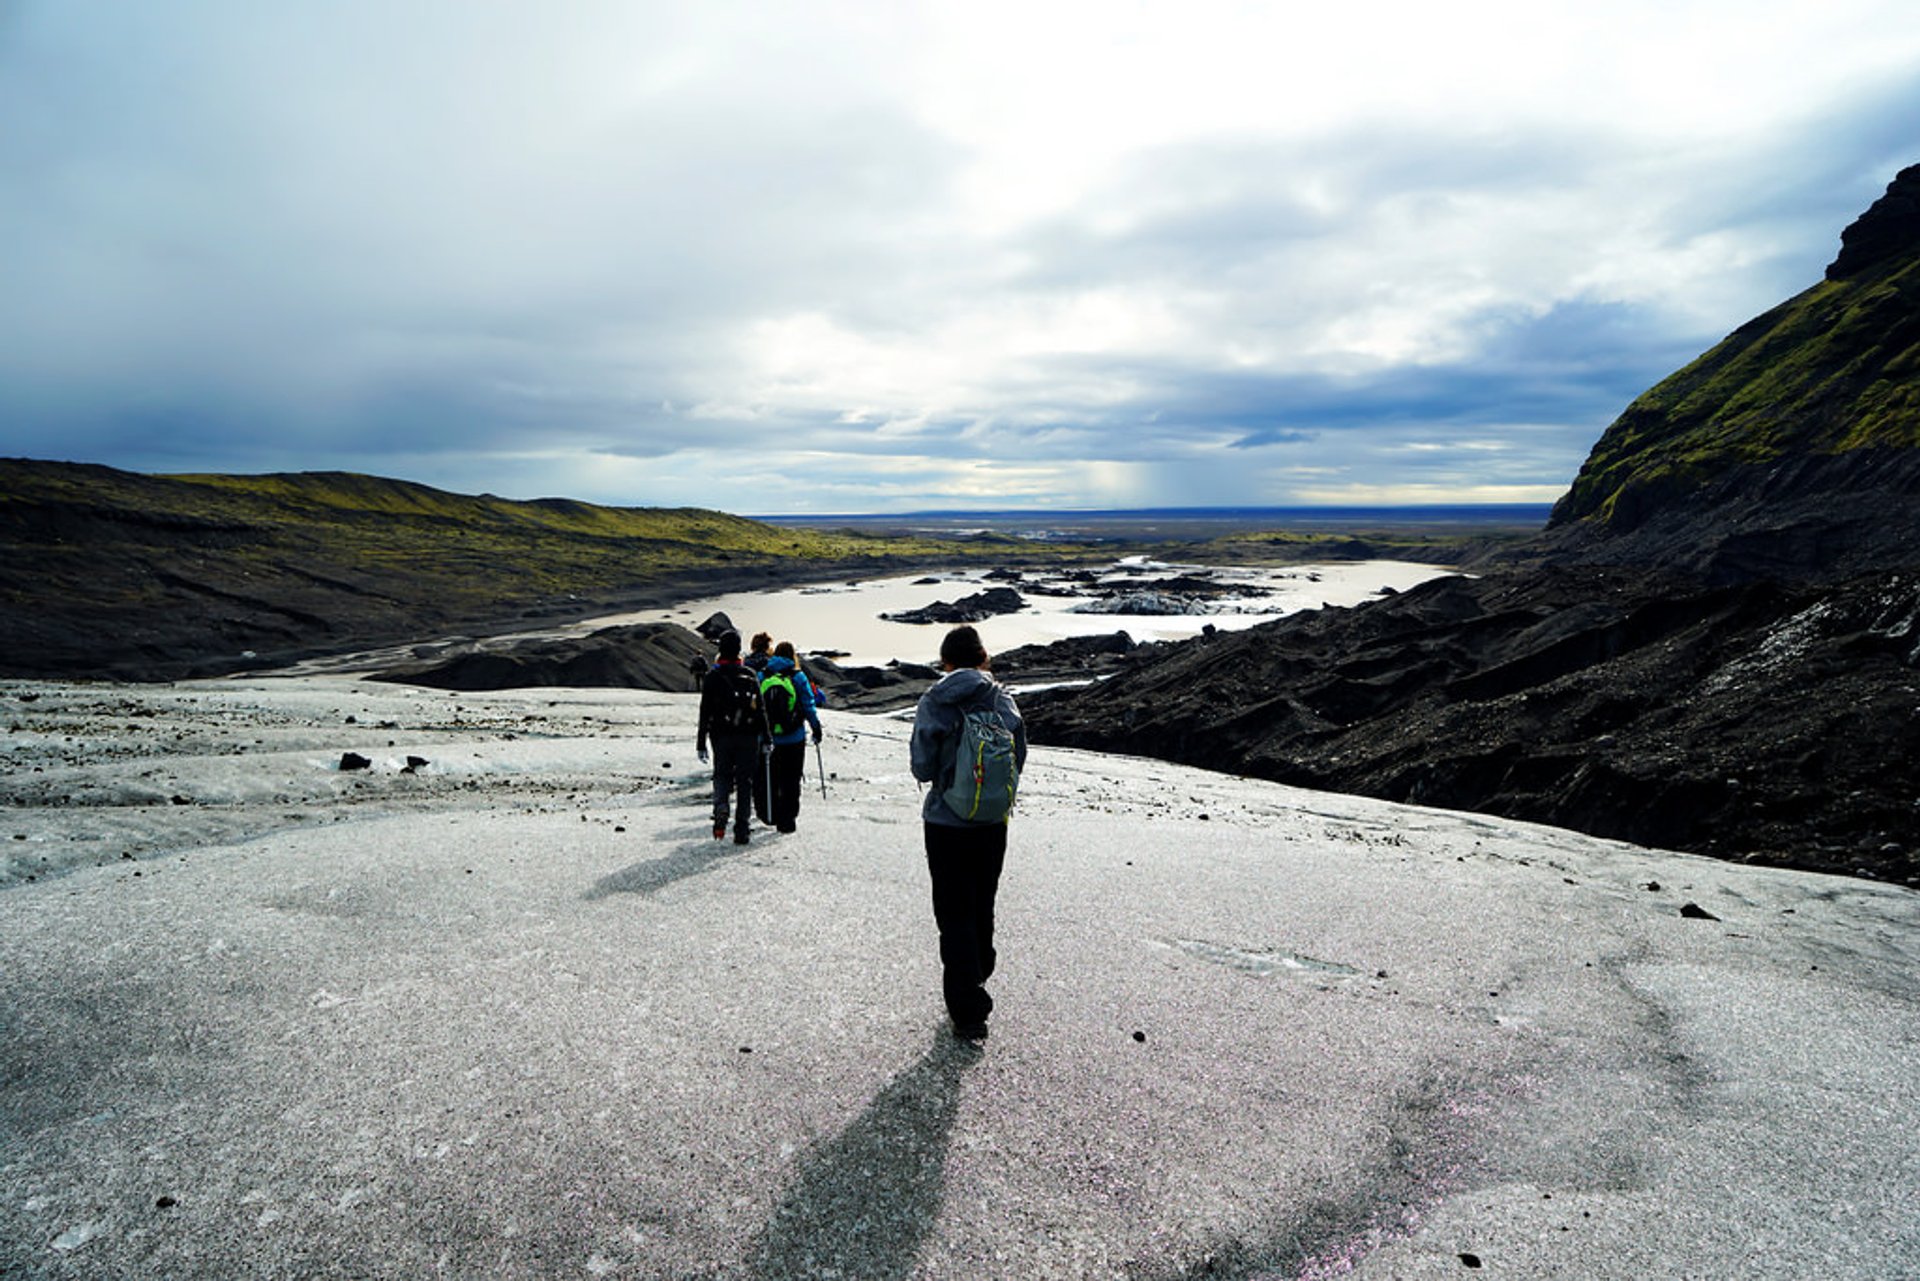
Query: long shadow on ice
<point>865,1201</point>
<point>690,859</point>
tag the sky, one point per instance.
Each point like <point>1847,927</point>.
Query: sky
<point>837,257</point>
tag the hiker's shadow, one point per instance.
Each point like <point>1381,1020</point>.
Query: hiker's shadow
<point>865,1201</point>
<point>691,859</point>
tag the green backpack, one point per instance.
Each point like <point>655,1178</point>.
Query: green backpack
<point>985,777</point>
<point>782,702</point>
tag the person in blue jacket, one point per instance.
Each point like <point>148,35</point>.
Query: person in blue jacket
<point>789,717</point>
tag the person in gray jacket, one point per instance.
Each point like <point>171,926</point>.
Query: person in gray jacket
<point>964,858</point>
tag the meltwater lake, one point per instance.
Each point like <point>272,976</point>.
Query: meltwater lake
<point>845,618</point>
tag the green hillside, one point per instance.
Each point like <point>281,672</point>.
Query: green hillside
<point>157,571</point>
<point>370,529</point>
<point>1831,371</point>
<point>1835,369</point>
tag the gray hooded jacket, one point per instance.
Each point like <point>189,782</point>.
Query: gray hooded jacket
<point>936,734</point>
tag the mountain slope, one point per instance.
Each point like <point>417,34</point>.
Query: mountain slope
<point>1714,647</point>
<point>1791,447</point>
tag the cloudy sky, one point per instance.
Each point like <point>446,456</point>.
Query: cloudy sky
<point>838,257</point>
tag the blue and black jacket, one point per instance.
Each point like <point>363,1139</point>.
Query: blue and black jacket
<point>803,689</point>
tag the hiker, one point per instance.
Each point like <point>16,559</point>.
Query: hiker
<point>697,668</point>
<point>731,717</point>
<point>965,850</point>
<point>760,652</point>
<point>788,696</point>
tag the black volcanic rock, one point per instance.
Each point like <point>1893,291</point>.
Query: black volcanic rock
<point>1760,721</point>
<point>1145,602</point>
<point>1890,227</point>
<point>1057,660</point>
<point>645,656</point>
<point>1813,517</point>
<point>869,689</point>
<point>968,609</point>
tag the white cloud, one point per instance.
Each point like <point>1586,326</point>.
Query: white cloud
<point>1360,494</point>
<point>1054,253</point>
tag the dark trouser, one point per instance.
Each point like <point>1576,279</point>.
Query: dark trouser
<point>735,759</point>
<point>789,762</point>
<point>965,866</point>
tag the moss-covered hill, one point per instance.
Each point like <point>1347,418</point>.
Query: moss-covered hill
<point>108,572</point>
<point>1804,421</point>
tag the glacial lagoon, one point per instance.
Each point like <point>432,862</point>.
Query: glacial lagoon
<point>845,618</point>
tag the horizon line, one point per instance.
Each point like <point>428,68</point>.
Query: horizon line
<point>1154,511</point>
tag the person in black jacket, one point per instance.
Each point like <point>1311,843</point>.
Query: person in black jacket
<point>761,651</point>
<point>731,717</point>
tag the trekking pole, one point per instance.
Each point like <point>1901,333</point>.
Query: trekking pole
<point>820,763</point>
<point>766,777</point>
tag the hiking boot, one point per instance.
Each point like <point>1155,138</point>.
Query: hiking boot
<point>787,827</point>
<point>739,838</point>
<point>970,1031</point>
<point>720,832</point>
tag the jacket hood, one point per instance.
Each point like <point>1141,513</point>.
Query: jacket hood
<point>779,664</point>
<point>962,686</point>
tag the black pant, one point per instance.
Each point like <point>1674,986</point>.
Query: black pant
<point>965,863</point>
<point>789,762</point>
<point>736,757</point>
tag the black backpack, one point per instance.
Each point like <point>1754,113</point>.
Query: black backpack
<point>736,703</point>
<point>780,698</point>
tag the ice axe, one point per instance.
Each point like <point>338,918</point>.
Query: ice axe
<point>820,763</point>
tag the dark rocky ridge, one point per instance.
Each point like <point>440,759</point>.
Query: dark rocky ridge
<point>1755,722</point>
<point>654,656</point>
<point>1714,647</point>
<point>1890,227</point>
<point>1809,518</point>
